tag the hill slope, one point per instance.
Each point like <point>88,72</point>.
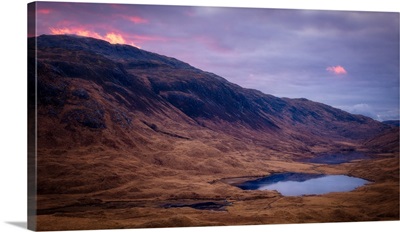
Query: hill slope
<point>146,82</point>
<point>95,97</point>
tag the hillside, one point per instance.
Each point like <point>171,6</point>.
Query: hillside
<point>131,80</point>
<point>119,123</point>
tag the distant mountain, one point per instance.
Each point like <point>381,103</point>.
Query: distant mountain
<point>385,142</point>
<point>108,98</point>
<point>392,122</point>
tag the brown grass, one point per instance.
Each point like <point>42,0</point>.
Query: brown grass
<point>110,189</point>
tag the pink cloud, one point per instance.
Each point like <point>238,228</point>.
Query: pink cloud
<point>75,31</point>
<point>149,38</point>
<point>59,31</point>
<point>338,70</point>
<point>136,19</point>
<point>111,37</point>
<point>44,11</point>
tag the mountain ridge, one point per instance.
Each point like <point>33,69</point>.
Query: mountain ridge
<point>154,82</point>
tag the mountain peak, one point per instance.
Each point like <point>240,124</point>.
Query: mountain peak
<point>136,55</point>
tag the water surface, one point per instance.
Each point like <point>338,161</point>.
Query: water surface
<point>297,184</point>
<point>214,206</point>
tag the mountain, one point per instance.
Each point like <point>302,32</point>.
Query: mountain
<point>392,122</point>
<point>385,142</point>
<point>122,132</point>
<point>93,95</point>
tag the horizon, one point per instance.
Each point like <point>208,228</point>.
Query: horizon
<point>350,64</point>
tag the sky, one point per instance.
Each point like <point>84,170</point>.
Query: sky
<point>346,59</point>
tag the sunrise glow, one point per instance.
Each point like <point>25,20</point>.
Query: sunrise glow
<point>111,37</point>
<point>115,38</point>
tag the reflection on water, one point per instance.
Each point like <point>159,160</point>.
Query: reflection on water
<point>297,184</point>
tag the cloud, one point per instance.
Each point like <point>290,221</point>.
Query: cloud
<point>144,38</point>
<point>44,11</point>
<point>59,31</point>
<point>363,109</point>
<point>111,37</point>
<point>76,31</point>
<point>338,70</point>
<point>136,19</point>
<point>115,38</point>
